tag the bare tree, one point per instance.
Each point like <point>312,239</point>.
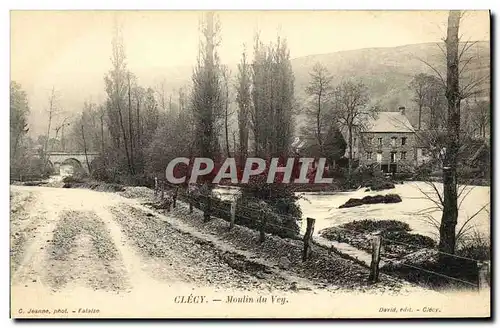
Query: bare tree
<point>243,97</point>
<point>459,85</point>
<point>453,94</point>
<point>85,144</point>
<point>102,112</point>
<point>226,73</point>
<point>319,113</point>
<point>61,127</point>
<point>352,112</point>
<point>52,111</point>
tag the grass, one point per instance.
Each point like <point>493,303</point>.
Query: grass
<point>475,246</point>
<point>415,257</point>
<point>98,186</point>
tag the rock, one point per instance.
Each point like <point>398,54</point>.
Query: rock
<point>260,275</point>
<point>352,202</point>
<point>284,263</point>
<point>377,199</point>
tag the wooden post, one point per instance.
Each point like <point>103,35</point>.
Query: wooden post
<point>483,281</point>
<point>174,197</point>
<point>233,214</point>
<point>156,186</point>
<point>374,269</point>
<point>308,238</point>
<point>162,190</point>
<point>190,203</point>
<point>263,218</point>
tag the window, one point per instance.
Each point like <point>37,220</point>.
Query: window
<point>379,157</point>
<point>393,141</point>
<point>393,157</point>
<point>403,155</point>
<point>403,141</point>
<point>355,139</point>
<point>380,141</point>
<point>369,155</point>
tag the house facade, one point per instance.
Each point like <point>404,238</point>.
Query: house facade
<point>389,141</point>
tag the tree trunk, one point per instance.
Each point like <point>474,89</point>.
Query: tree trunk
<point>419,116</point>
<point>450,208</point>
<point>102,134</point>
<point>125,140</point>
<point>46,149</point>
<point>131,134</point>
<point>226,120</point>
<point>349,160</point>
<point>138,124</point>
<point>62,138</point>
<point>85,150</point>
<point>318,123</point>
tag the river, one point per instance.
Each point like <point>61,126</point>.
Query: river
<point>416,208</point>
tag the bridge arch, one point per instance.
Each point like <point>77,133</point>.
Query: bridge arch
<point>77,166</point>
<point>76,159</point>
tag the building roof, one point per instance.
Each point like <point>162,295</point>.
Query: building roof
<point>390,122</point>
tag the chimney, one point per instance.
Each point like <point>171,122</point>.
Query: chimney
<point>402,110</point>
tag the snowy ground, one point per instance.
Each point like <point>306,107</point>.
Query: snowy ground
<point>324,207</point>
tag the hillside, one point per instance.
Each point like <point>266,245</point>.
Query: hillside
<point>386,71</point>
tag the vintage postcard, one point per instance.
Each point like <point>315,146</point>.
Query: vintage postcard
<point>250,164</point>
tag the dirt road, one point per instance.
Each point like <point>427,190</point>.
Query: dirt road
<point>78,253</point>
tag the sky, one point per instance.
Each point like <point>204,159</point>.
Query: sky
<point>70,50</point>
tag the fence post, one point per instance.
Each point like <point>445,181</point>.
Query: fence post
<point>374,269</point>
<point>233,214</point>
<point>190,203</point>
<point>156,186</point>
<point>263,218</point>
<point>483,275</point>
<point>174,197</point>
<point>162,190</point>
<point>308,238</point>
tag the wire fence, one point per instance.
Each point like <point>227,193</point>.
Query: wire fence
<point>262,223</point>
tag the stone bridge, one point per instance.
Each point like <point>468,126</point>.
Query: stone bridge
<point>57,158</point>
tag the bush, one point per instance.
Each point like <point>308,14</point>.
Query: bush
<point>97,186</point>
<point>417,240</point>
<point>73,179</point>
<point>380,184</point>
<point>381,225</point>
<point>476,247</point>
<point>249,211</point>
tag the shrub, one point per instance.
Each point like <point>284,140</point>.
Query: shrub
<point>72,179</point>
<point>372,225</point>
<point>380,184</point>
<point>477,247</point>
<point>417,240</point>
<point>249,211</point>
